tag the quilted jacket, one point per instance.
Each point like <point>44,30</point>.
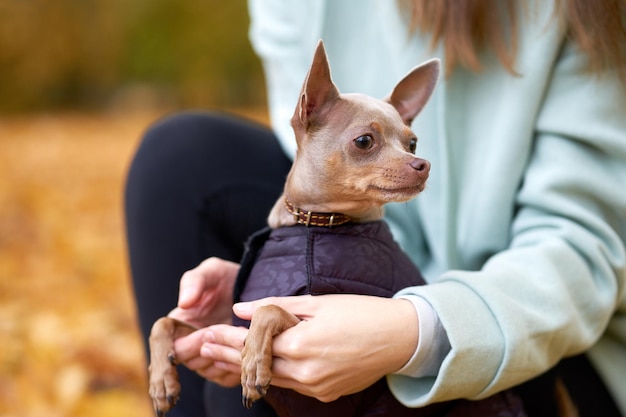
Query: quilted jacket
<point>355,258</point>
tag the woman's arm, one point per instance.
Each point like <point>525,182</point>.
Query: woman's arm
<point>553,291</point>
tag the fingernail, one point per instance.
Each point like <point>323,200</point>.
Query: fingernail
<point>205,351</point>
<point>209,337</point>
<point>185,294</point>
<point>242,307</point>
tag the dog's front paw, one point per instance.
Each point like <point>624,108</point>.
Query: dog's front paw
<point>164,385</point>
<point>256,356</point>
<point>255,373</point>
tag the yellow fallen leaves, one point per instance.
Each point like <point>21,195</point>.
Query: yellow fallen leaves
<point>69,345</point>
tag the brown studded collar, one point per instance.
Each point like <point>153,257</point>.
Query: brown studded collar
<point>309,218</point>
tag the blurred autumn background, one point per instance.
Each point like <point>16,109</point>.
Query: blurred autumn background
<point>79,83</point>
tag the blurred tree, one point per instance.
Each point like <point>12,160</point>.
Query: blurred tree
<point>77,53</point>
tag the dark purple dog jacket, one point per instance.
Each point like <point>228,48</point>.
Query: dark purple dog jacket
<point>356,258</point>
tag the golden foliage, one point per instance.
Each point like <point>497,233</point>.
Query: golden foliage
<point>72,54</point>
<point>69,344</point>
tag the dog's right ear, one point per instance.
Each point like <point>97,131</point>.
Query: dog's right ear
<point>318,88</point>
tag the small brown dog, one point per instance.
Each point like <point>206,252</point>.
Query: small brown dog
<point>355,153</point>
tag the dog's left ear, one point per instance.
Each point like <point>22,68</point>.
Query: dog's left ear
<point>412,92</point>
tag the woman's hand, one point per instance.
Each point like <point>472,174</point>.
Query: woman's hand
<point>195,352</point>
<point>205,296</point>
<point>344,344</point>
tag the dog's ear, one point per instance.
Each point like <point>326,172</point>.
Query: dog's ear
<point>318,88</point>
<point>412,92</point>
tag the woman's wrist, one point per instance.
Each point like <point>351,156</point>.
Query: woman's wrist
<point>404,334</point>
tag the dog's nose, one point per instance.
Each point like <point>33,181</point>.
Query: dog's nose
<point>421,165</point>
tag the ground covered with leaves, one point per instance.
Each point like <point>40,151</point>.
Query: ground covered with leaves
<point>69,344</point>
<point>69,341</point>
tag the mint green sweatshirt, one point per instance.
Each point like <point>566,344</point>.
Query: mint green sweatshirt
<point>520,232</point>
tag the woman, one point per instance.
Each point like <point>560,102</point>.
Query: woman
<point>520,232</point>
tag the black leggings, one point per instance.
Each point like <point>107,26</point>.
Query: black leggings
<point>199,184</point>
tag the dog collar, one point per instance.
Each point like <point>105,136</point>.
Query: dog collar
<point>309,218</point>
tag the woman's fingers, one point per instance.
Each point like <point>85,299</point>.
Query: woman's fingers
<point>302,306</point>
<point>187,347</point>
<point>213,354</point>
<point>223,343</point>
<point>205,294</point>
<point>208,274</point>
<point>222,346</point>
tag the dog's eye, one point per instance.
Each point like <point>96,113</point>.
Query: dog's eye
<point>412,145</point>
<point>364,142</point>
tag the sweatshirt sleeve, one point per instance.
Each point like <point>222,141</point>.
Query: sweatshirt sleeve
<point>283,34</point>
<point>552,292</point>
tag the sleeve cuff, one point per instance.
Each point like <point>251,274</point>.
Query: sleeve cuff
<point>433,344</point>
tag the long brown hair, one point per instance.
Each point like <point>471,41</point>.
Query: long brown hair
<point>467,27</point>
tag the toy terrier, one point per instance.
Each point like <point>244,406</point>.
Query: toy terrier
<point>327,235</point>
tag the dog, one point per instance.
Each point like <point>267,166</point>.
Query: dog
<point>326,234</point>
